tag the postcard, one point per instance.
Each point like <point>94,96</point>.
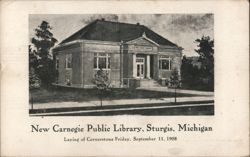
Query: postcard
<point>125,78</point>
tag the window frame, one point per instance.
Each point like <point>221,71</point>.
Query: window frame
<point>166,58</point>
<point>107,57</point>
<point>67,58</point>
<point>57,63</point>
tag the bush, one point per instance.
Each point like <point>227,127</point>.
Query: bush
<point>34,81</point>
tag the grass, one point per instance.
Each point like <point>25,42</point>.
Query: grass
<point>196,86</point>
<point>61,94</point>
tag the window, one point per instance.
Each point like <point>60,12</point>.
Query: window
<point>165,63</point>
<point>140,60</point>
<point>101,61</point>
<point>68,61</point>
<point>57,63</point>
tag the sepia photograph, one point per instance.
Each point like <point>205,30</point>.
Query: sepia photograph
<point>121,64</point>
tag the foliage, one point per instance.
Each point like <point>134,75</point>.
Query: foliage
<point>190,74</point>
<point>200,77</point>
<point>101,80</point>
<point>175,78</point>
<point>175,82</point>
<point>33,61</point>
<point>44,39</point>
<point>206,56</point>
<point>34,81</point>
<point>40,58</point>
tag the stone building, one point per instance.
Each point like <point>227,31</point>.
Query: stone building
<point>131,54</point>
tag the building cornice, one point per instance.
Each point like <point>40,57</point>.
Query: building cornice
<point>87,42</point>
<point>143,37</point>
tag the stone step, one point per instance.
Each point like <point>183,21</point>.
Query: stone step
<point>149,83</point>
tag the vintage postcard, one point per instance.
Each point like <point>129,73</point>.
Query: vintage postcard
<point>123,78</point>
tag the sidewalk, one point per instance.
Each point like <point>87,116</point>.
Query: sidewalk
<point>166,89</point>
<point>117,102</point>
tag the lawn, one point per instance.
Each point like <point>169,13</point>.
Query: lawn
<point>61,94</point>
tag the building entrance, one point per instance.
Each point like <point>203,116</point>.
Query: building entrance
<point>140,67</point>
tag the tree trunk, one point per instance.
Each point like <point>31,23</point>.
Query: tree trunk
<point>101,98</point>
<point>175,95</point>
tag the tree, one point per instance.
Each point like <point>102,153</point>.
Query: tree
<point>186,68</point>
<point>199,73</point>
<point>43,63</point>
<point>206,57</point>
<point>33,62</point>
<point>34,81</point>
<point>175,81</point>
<point>189,73</point>
<point>101,80</point>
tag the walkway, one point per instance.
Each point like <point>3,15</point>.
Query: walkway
<point>166,89</point>
<point>133,109</point>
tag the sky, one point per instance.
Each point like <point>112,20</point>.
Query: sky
<point>181,29</point>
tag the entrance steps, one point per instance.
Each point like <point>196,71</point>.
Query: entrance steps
<point>149,83</point>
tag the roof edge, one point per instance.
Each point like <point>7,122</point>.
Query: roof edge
<point>85,27</point>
